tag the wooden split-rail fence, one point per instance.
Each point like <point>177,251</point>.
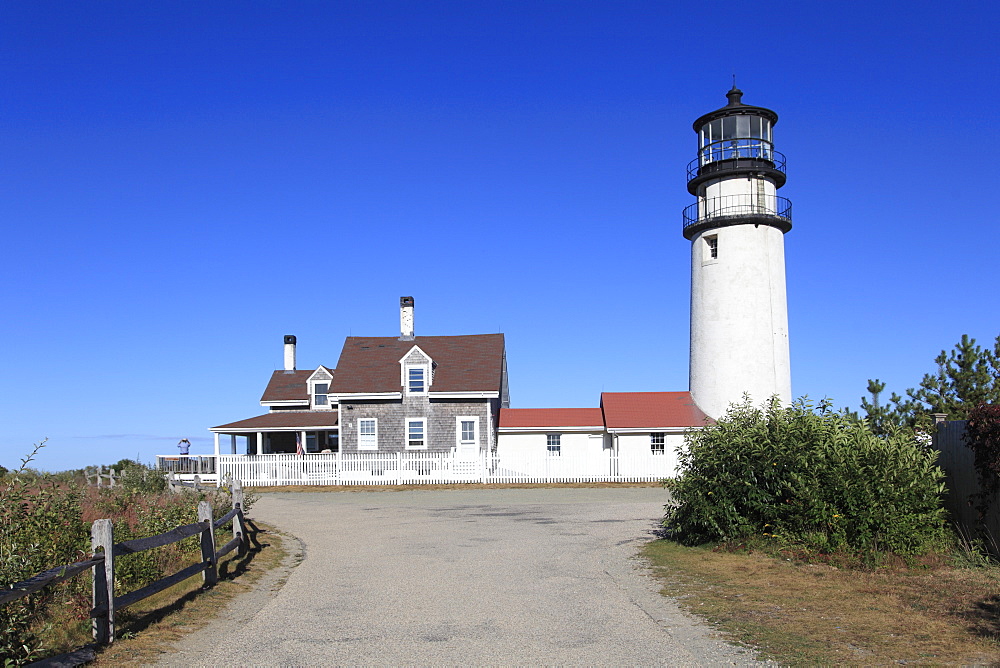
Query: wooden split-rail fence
<point>102,564</point>
<point>100,477</point>
<point>176,485</point>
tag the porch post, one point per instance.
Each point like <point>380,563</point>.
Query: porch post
<point>260,442</point>
<point>217,444</point>
<point>302,435</point>
<point>232,443</point>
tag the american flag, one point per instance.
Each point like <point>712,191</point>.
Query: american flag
<point>299,450</point>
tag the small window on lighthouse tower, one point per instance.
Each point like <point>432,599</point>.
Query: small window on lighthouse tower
<point>712,246</point>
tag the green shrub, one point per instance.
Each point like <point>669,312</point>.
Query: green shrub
<point>811,477</point>
<point>140,478</point>
<point>40,527</point>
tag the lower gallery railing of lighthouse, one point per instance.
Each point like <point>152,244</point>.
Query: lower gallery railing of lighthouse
<point>414,468</point>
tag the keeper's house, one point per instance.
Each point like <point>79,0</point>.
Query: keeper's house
<point>386,394</point>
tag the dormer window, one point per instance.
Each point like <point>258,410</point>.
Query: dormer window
<point>319,389</point>
<point>416,380</point>
<point>415,371</point>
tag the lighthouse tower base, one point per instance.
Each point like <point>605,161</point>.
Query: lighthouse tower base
<point>739,317</point>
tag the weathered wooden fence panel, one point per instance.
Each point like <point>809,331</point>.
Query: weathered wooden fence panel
<point>958,462</point>
<point>103,582</point>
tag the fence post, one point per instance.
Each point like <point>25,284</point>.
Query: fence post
<point>103,589</point>
<point>197,483</point>
<point>239,527</point>
<point>211,574</point>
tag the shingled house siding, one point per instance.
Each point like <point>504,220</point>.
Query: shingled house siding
<point>391,415</point>
<point>415,358</point>
<point>441,422</point>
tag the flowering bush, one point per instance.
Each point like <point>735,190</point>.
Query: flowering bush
<point>812,477</point>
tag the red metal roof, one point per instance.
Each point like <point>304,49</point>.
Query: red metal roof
<point>471,363</point>
<point>286,419</point>
<point>551,417</point>
<point>652,410</point>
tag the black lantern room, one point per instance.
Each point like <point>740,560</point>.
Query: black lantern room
<point>736,141</point>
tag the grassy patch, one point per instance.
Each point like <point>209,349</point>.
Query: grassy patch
<point>816,613</point>
<point>148,629</point>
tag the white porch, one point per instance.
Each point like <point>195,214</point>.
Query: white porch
<point>276,440</point>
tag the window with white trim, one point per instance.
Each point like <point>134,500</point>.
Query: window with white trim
<point>553,445</point>
<point>658,443</point>
<point>368,434</point>
<point>416,379</point>
<point>416,433</point>
<point>712,247</point>
<point>467,431</point>
<point>320,391</point>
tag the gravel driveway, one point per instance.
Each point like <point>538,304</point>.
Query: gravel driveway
<point>460,576</point>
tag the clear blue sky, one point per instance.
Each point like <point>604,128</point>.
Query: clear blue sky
<point>184,183</point>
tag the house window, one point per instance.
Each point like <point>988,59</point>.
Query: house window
<point>320,394</point>
<point>553,444</point>
<point>416,380</point>
<point>713,247</point>
<point>416,433</point>
<point>658,443</point>
<point>467,428</point>
<point>368,434</point>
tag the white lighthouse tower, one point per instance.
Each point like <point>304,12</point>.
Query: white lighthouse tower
<point>739,312</point>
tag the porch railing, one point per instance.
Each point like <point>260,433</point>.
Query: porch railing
<point>186,464</point>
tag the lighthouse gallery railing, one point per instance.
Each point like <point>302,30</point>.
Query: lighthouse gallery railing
<point>737,206</point>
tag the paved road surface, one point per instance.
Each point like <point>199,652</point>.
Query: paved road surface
<point>459,576</point>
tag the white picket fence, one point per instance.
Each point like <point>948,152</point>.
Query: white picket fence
<point>415,468</point>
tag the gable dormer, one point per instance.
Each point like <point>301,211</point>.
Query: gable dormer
<point>416,372</point>
<point>319,388</point>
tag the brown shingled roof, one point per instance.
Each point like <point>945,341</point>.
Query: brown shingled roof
<point>279,419</point>
<point>288,386</point>
<point>641,410</point>
<point>472,363</point>
<point>551,417</point>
